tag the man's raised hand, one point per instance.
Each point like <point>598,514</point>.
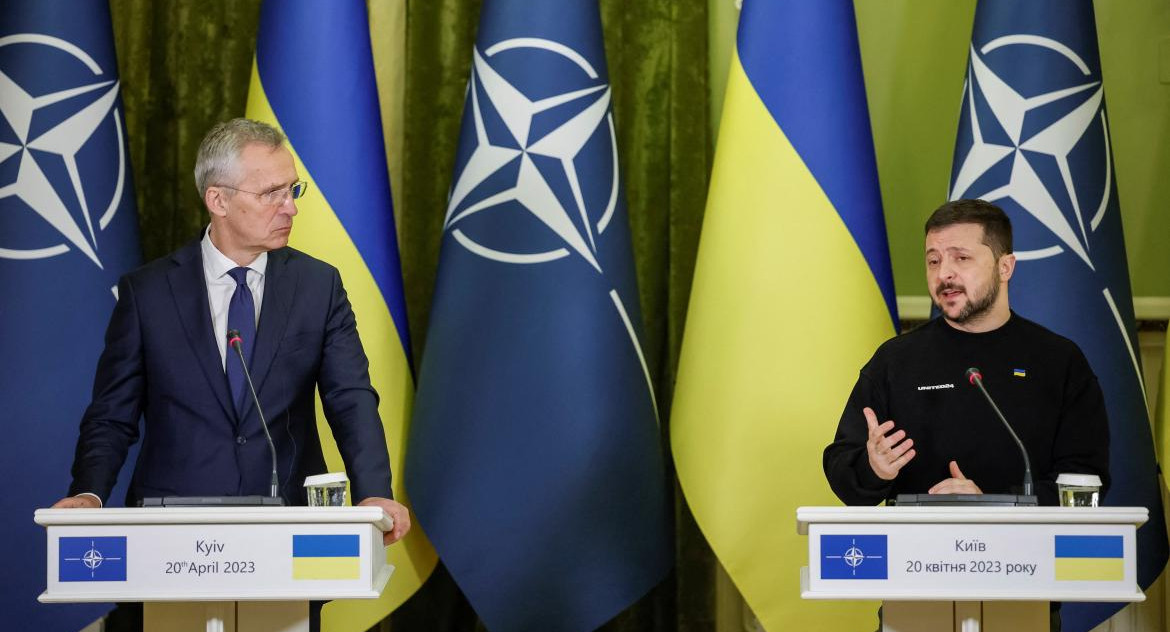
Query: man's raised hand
<point>887,454</point>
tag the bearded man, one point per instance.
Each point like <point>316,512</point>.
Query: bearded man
<point>913,425</point>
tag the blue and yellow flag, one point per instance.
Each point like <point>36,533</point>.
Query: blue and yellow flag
<point>314,79</point>
<point>1089,558</point>
<point>792,294</point>
<point>1034,139</point>
<point>535,461</point>
<point>68,231</point>
<point>325,556</point>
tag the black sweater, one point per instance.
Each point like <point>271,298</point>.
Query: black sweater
<point>1040,380</point>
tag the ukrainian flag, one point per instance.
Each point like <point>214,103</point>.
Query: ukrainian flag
<point>314,78</point>
<point>792,294</point>
<point>326,557</point>
<point>1089,558</point>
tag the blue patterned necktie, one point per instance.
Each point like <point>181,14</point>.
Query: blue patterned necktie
<point>242,318</point>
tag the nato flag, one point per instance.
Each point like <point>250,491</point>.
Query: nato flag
<point>854,557</point>
<point>534,461</point>
<point>97,559</point>
<point>67,232</point>
<point>1034,139</point>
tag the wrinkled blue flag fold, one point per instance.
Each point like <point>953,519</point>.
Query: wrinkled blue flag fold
<point>1034,138</point>
<point>535,462</point>
<point>68,230</point>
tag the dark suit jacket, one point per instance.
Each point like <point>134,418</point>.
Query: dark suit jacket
<point>161,363</point>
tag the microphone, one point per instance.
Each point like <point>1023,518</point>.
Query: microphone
<point>235,342</point>
<point>975,377</point>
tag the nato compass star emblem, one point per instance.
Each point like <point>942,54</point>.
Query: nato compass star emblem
<point>92,558</point>
<point>561,145</point>
<point>1054,145</point>
<point>853,557</point>
<point>51,170</point>
<point>528,153</point>
<point>1010,134</point>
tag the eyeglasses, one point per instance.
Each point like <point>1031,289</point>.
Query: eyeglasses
<point>276,197</point>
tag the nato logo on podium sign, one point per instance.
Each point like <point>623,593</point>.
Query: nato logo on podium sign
<point>853,557</point>
<point>92,559</point>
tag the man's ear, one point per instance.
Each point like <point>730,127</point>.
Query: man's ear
<point>215,200</point>
<point>1007,266</point>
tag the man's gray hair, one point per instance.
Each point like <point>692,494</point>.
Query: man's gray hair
<point>215,163</point>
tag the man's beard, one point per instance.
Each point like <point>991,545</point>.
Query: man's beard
<point>975,308</point>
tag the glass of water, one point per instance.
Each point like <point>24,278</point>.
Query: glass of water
<point>326,490</point>
<point>1079,490</point>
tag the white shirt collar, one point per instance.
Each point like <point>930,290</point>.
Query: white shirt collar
<point>216,265</point>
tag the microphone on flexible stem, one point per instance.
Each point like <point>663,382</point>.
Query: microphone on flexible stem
<point>235,342</point>
<point>976,379</point>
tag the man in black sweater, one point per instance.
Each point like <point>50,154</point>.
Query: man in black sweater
<point>914,425</point>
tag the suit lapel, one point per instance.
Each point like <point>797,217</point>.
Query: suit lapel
<point>280,283</point>
<point>189,289</point>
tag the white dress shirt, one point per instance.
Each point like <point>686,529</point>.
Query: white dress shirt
<point>221,286</point>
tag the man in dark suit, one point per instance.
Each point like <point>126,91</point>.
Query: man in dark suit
<point>167,359</point>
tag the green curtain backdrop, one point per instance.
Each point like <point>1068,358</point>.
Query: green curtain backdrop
<point>185,64</point>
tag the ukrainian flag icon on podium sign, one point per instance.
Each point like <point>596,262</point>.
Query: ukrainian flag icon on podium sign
<point>326,557</point>
<point>1090,558</point>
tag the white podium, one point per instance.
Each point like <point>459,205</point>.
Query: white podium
<point>970,569</point>
<point>216,569</point>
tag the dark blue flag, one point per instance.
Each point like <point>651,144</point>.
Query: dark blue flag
<point>854,557</point>
<point>534,462</point>
<point>1034,139</point>
<point>67,232</point>
<point>92,559</point>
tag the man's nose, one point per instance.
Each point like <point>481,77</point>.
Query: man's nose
<point>288,206</point>
<point>946,271</point>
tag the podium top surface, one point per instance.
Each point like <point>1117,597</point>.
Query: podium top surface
<point>984,515</point>
<point>213,515</point>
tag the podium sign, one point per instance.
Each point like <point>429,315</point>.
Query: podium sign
<point>194,554</point>
<point>962,554</point>
<point>216,554</point>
